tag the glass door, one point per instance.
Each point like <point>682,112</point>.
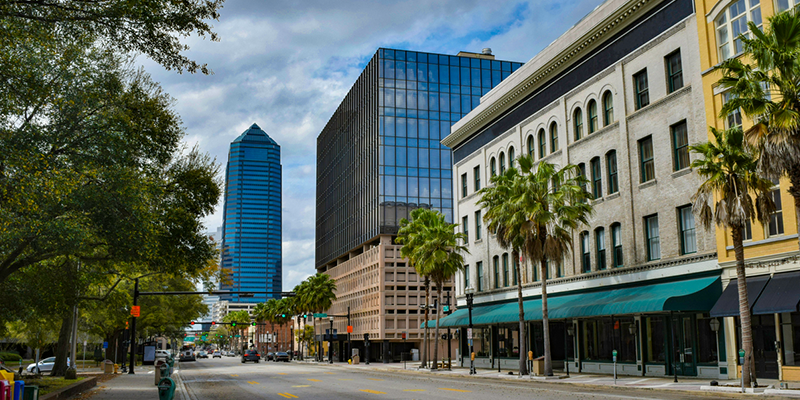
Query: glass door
<point>683,345</point>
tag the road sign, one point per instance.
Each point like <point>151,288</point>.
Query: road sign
<point>349,328</point>
<point>469,333</point>
<point>320,315</point>
<point>614,354</point>
<point>188,339</point>
<point>237,336</point>
<point>135,311</point>
<point>105,345</point>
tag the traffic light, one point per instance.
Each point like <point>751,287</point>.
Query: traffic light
<point>213,323</point>
<point>305,316</point>
<point>283,315</point>
<point>233,324</point>
<point>184,334</point>
<point>126,325</point>
<point>253,324</point>
<point>446,309</point>
<point>192,323</point>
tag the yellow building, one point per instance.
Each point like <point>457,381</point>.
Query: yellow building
<point>771,251</point>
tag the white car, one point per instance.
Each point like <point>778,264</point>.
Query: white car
<point>162,354</point>
<point>45,365</point>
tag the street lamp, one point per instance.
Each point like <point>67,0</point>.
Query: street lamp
<point>330,343</point>
<point>570,332</point>
<point>470,292</point>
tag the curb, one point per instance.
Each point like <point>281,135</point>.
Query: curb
<point>71,390</point>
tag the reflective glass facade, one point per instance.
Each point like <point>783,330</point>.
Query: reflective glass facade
<point>251,241</point>
<point>379,156</point>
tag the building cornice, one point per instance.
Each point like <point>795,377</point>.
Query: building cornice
<point>503,97</point>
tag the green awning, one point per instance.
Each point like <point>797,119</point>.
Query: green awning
<point>698,294</point>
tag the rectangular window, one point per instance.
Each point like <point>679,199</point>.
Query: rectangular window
<point>600,241</point>
<point>466,276</point>
<point>648,172</point>
<point>514,269</point>
<point>465,226</point>
<point>616,238</point>
<point>734,119</point>
<point>597,182</point>
<point>776,219</point>
<point>479,267</point>
<point>613,179</point>
<point>505,270</point>
<point>496,265</point>
<point>653,239</point>
<point>748,231</point>
<point>464,185</point>
<point>680,146</point>
<point>585,256</point>
<point>688,239</point>
<point>641,92</point>
<point>476,173</point>
<point>674,71</point>
<point>478,225</point>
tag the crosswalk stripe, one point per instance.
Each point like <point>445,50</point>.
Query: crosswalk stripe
<point>372,391</point>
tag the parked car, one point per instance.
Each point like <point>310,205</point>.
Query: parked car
<point>187,355</point>
<point>163,354</point>
<point>282,356</point>
<point>202,354</point>
<point>269,357</point>
<point>251,355</point>
<point>45,365</point>
<point>231,354</point>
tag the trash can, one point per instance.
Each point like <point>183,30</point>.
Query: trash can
<point>108,367</point>
<point>19,389</point>
<point>538,366</point>
<point>31,393</point>
<point>5,391</point>
<point>157,372</point>
<point>356,359</point>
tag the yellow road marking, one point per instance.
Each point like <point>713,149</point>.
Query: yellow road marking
<point>288,395</point>
<point>330,373</point>
<point>372,391</point>
<point>315,380</point>
<point>281,373</point>
<point>234,375</point>
<point>456,390</point>
<point>414,390</point>
<point>253,382</point>
<point>375,379</point>
<point>302,386</point>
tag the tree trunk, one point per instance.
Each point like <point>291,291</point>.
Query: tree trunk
<point>744,308</point>
<point>548,362</point>
<point>425,339</point>
<point>523,364</point>
<point>62,348</point>
<point>436,330</point>
<point>794,190</point>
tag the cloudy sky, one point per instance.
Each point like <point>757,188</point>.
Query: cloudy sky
<point>286,65</point>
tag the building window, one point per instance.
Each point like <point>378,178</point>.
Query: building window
<point>465,227</point>
<point>582,172</point>
<point>608,108</point>
<point>688,238</point>
<point>747,232</point>
<point>732,23</point>
<point>674,71</point>
<point>641,92</point>
<point>600,241</point>
<point>733,119</point>
<point>776,219</point>
<point>502,163</point>
<point>478,225</point>
<point>616,241</point>
<point>466,276</point>
<point>505,270</point>
<point>577,118</point>
<point>611,166</point>
<point>514,268</point>
<point>648,171</point>
<point>597,182</point>
<point>496,265</point>
<point>493,167</point>
<point>592,110</point>
<point>586,259</point>
<point>530,146</point>
<point>553,137</point>
<point>653,240</point>
<point>511,157</point>
<point>542,144</point>
<point>476,174</point>
<point>680,146</point>
<point>479,267</point>
<point>464,185</point>
<point>784,5</point>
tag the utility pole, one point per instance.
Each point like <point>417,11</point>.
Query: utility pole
<point>133,327</point>
<point>349,343</point>
<point>449,338</point>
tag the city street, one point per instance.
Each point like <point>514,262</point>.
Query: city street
<point>228,378</point>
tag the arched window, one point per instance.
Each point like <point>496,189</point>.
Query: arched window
<point>592,110</point>
<point>732,22</point>
<point>553,137</point>
<point>496,265</point>
<point>600,243</point>
<point>608,108</point>
<point>502,163</point>
<point>505,269</point>
<point>493,166</point>
<point>597,181</point>
<point>530,146</point>
<point>511,157</point>
<point>616,242</point>
<point>577,118</point>
<point>542,144</point>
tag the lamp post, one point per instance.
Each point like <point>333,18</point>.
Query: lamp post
<point>470,292</point>
<point>570,332</point>
<point>714,324</point>
<point>330,343</point>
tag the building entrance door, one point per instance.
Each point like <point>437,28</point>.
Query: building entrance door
<point>684,345</point>
<point>764,350</point>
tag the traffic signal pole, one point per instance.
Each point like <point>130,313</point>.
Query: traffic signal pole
<point>449,339</point>
<point>349,343</point>
<point>133,327</point>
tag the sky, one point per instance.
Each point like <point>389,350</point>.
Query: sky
<point>286,65</point>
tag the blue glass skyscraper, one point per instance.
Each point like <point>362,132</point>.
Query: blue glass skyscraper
<point>251,237</point>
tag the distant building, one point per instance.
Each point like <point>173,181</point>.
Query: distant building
<point>251,227</point>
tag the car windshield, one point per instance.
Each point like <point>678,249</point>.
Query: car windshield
<point>49,360</point>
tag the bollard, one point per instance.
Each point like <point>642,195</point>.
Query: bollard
<point>166,389</point>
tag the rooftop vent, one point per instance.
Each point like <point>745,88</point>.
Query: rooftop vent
<point>486,51</point>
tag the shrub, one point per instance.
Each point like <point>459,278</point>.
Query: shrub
<point>9,356</point>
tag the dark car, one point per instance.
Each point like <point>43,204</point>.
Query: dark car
<point>251,355</point>
<point>282,356</point>
<point>269,357</point>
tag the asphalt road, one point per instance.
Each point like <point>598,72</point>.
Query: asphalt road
<point>228,378</point>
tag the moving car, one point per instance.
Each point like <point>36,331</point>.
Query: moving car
<point>269,357</point>
<point>217,354</point>
<point>231,354</point>
<point>45,365</point>
<point>282,356</point>
<point>187,355</point>
<point>202,354</point>
<point>251,355</point>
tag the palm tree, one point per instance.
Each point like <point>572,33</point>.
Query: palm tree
<point>768,91</point>
<point>534,211</point>
<point>318,294</point>
<point>411,236</point>
<point>300,307</point>
<point>731,183</point>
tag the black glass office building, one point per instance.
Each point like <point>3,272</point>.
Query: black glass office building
<point>251,236</point>
<point>379,156</point>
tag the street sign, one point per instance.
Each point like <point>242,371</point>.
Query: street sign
<point>188,339</point>
<point>320,315</point>
<point>105,345</point>
<point>349,328</point>
<point>614,354</point>
<point>135,311</point>
<point>469,333</point>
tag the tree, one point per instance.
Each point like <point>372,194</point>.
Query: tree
<point>318,294</point>
<point>535,211</point>
<point>738,194</point>
<point>242,320</point>
<point>436,252</point>
<point>768,92</point>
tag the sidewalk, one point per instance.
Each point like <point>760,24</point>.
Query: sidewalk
<point>138,386</point>
<point>586,380</point>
